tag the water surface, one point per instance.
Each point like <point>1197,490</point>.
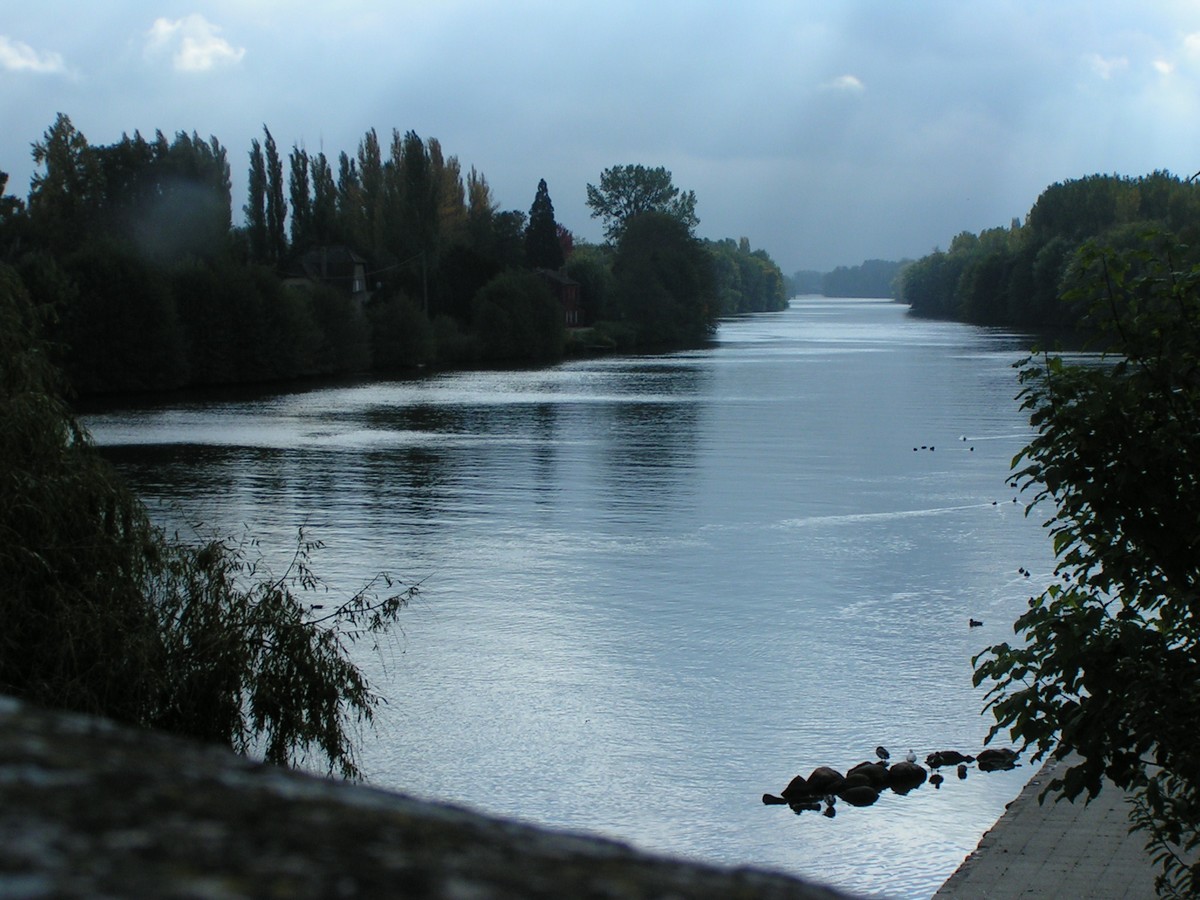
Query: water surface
<point>655,588</point>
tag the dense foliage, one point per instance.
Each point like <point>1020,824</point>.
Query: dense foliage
<point>631,190</point>
<point>747,280</point>
<point>663,281</point>
<point>1109,665</point>
<point>105,614</point>
<point>873,278</point>
<point>131,244</point>
<point>1016,276</point>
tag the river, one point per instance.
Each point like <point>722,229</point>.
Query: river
<point>656,587</point>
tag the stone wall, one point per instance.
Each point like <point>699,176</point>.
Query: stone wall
<point>88,808</point>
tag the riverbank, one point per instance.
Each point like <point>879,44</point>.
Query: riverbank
<point>1057,849</point>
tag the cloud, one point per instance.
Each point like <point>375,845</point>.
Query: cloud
<point>849,83</point>
<point>1107,67</point>
<point>16,56</point>
<point>194,42</point>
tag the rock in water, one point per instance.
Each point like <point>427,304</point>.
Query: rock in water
<point>860,795</point>
<point>797,788</point>
<point>904,776</point>
<point>825,780</point>
<point>875,773</point>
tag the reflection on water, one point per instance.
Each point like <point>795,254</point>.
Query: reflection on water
<point>656,588</point>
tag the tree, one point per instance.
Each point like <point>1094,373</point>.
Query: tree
<point>276,205</point>
<point>63,197</point>
<point>517,317</point>
<point>300,189</point>
<point>416,191</point>
<point>256,203</point>
<point>324,203</point>
<point>372,190</point>
<point>106,615</point>
<point>349,200</point>
<point>628,191</point>
<point>664,282</point>
<point>542,247</point>
<point>481,214</point>
<point>1109,667</point>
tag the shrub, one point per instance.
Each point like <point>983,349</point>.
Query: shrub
<point>105,614</point>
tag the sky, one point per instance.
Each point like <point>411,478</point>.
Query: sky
<point>825,133</point>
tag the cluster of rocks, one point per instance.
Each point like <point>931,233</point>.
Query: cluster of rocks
<point>863,784</point>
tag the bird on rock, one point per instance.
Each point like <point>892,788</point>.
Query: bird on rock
<point>882,753</point>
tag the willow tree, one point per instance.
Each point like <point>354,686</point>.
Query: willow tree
<point>106,614</point>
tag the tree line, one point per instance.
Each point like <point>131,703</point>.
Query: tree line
<point>872,278</point>
<point>134,247</point>
<point>1016,276</point>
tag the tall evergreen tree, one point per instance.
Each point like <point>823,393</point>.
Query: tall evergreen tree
<point>63,196</point>
<point>543,250</point>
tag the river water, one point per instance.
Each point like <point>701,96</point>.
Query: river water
<point>654,588</point>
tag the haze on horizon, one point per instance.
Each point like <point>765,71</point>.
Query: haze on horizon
<point>827,134</point>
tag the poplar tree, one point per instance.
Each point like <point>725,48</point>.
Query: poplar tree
<point>350,203</point>
<point>256,203</point>
<point>371,180</point>
<point>276,205</point>
<point>301,194</point>
<point>324,202</point>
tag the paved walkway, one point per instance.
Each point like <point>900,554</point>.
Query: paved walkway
<point>1060,850</point>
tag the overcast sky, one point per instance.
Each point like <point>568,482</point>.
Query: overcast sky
<point>826,133</point>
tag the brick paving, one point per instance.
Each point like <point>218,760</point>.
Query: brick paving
<point>1057,849</point>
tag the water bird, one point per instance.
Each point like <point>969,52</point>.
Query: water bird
<point>994,759</point>
<point>973,623</point>
<point>911,756</point>
<point>946,758</point>
<point>882,752</point>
